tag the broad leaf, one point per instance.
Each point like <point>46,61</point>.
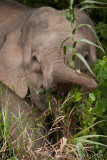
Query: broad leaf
<point>92,97</point>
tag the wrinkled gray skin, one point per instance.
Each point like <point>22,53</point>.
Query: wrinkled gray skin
<point>29,59</point>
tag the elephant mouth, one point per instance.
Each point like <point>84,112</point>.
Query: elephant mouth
<point>59,90</point>
<point>53,94</point>
<point>60,80</point>
<point>62,89</point>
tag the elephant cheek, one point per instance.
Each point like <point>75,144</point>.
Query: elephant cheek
<point>37,94</point>
<point>35,82</point>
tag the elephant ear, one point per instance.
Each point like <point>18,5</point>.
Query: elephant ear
<point>12,72</point>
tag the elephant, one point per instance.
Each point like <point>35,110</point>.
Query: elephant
<point>30,62</point>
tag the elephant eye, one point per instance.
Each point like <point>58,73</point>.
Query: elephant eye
<point>34,56</point>
<point>86,56</point>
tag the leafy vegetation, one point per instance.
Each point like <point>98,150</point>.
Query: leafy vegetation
<point>82,121</point>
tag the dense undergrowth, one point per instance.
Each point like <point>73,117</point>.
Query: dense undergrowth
<point>82,121</point>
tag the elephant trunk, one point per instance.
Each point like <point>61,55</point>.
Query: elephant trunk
<point>63,74</point>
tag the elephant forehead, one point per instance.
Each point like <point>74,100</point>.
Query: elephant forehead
<point>54,38</point>
<point>58,21</point>
<point>45,38</point>
<point>51,36</point>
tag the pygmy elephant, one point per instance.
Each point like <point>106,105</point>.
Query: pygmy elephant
<point>30,61</point>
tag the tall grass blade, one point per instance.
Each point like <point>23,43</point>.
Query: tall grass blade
<point>5,120</point>
<point>91,136</point>
<point>68,19</point>
<point>94,2</point>
<point>89,6</point>
<point>84,61</point>
<point>89,42</point>
<point>81,25</point>
<point>83,131</point>
<point>64,42</point>
<point>80,150</point>
<point>64,54</point>
<point>80,139</point>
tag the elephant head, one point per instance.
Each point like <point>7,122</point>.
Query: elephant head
<point>30,58</point>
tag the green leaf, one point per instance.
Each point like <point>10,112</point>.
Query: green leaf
<point>84,61</point>
<point>5,120</point>
<point>81,25</point>
<point>91,136</point>
<point>64,53</point>
<point>74,30</point>
<point>56,1</point>
<point>82,139</point>
<point>72,64</point>
<point>70,48</point>
<point>71,2</point>
<point>80,150</point>
<point>96,2</point>
<point>89,42</point>
<point>105,67</point>
<point>89,6</point>
<point>105,59</point>
<point>92,97</point>
<point>74,44</point>
<point>6,117</point>
<point>67,15</point>
<point>83,131</point>
<point>64,42</point>
<point>14,158</point>
<point>78,96</point>
<point>93,142</point>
